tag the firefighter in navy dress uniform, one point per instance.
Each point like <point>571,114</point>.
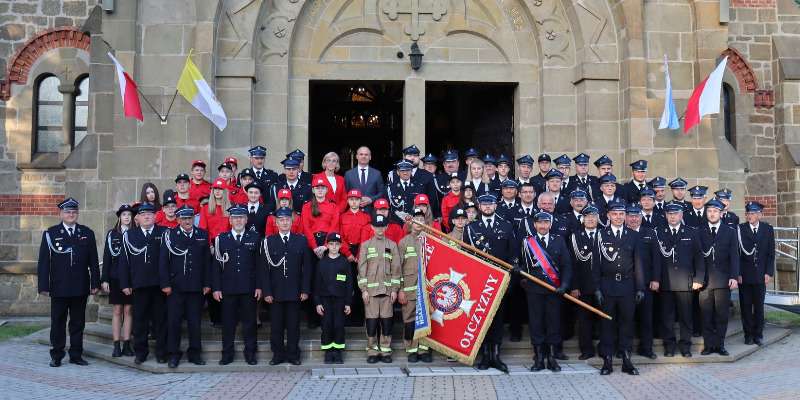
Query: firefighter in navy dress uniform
<point>678,188</point>
<point>67,272</point>
<point>582,243</point>
<point>582,180</point>
<point>544,306</point>
<point>631,189</point>
<point>139,275</point>
<point>618,277</point>
<point>644,309</point>
<point>185,276</point>
<point>122,320</point>
<point>757,262</point>
<point>265,177</point>
<point>725,196</point>
<point>236,281</point>
<point>720,246</point>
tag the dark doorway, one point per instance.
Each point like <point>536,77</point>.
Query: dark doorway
<point>346,115</point>
<point>460,115</point>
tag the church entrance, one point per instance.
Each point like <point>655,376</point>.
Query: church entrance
<point>460,115</point>
<point>344,115</point>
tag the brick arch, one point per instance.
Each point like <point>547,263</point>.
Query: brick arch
<point>742,70</point>
<point>20,64</point>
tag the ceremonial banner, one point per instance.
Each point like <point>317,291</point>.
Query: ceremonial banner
<point>463,295</point>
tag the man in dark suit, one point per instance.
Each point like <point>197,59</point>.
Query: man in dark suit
<point>645,309</point>
<point>68,271</point>
<point>508,205</point>
<point>605,166</point>
<point>301,191</point>
<point>256,212</point>
<point>720,247</point>
<point>564,165</point>
<point>728,217</point>
<point>287,282</point>
<point>582,243</point>
<point>582,179</point>
<point>574,218</point>
<point>678,187</point>
<point>546,257</point>
<point>560,199</point>
<point>496,236</point>
<point>185,277</point>
<point>139,275</point>
<point>631,189</point>
<point>264,176</point>
<point>659,186</point>
<point>366,179</point>
<point>679,258</point>
<point>696,216</point>
<point>608,194</point>
<point>525,167</point>
<point>236,280</point>
<point>757,262</point>
<point>302,175</point>
<point>651,218</point>
<point>618,277</point>
<point>540,180</point>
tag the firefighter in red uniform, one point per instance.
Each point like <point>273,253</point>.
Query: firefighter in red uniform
<point>284,200</point>
<point>393,230</point>
<point>320,216</point>
<point>199,187</point>
<point>183,196</point>
<point>352,222</point>
<point>214,215</point>
<point>166,215</point>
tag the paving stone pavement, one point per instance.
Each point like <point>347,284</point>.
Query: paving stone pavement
<point>772,373</point>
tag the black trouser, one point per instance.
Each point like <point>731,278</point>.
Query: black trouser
<point>495,333</point>
<point>751,299</point>
<point>644,321</point>
<point>715,304</point>
<point>182,306</point>
<point>238,308</point>
<point>214,309</point>
<point>619,330</point>
<point>332,323</point>
<point>356,317</point>
<point>149,312</point>
<point>60,309</point>
<point>285,325</point>
<point>697,317</point>
<point>586,322</point>
<point>682,303</point>
<point>544,318</point>
<point>517,305</point>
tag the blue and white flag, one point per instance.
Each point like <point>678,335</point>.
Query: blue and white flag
<point>669,118</point>
<point>422,322</point>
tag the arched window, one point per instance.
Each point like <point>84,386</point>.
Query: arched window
<point>81,110</point>
<point>729,113</point>
<point>49,115</point>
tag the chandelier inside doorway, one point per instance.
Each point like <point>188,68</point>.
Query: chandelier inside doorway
<point>364,109</point>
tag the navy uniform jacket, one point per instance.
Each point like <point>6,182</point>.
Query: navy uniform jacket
<point>517,215</point>
<point>630,192</point>
<point>508,213</point>
<point>722,262</point>
<point>657,219</point>
<point>191,270</point>
<point>679,270</point>
<point>441,185</point>
<point>257,222</point>
<point>651,268</point>
<point>625,274</point>
<point>588,187</point>
<point>500,240</point>
<point>267,179</point>
<point>602,206</point>
<point>731,219</point>
<point>562,205</point>
<point>403,200</point>
<point>581,248</point>
<point>235,267</point>
<point>424,183</point>
<point>140,270</point>
<point>761,249</point>
<point>573,223</point>
<point>333,279</point>
<point>302,176</point>
<point>691,219</point>
<point>68,265</point>
<point>300,195</point>
<point>111,252</point>
<point>559,256</point>
<point>285,282</point>
<point>558,227</point>
<point>539,182</point>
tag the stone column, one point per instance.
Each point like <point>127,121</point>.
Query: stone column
<point>414,113</point>
<point>68,106</point>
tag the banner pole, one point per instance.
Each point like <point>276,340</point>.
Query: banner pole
<point>508,267</point>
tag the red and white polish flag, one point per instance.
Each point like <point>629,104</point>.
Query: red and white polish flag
<point>127,89</point>
<point>705,98</point>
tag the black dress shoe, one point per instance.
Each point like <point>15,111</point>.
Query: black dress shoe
<point>413,357</point>
<point>648,354</point>
<point>276,361</point>
<point>173,362</point>
<point>706,351</point>
<point>117,349</point>
<point>686,353</point>
<point>295,361</point>
<point>372,359</point>
<point>758,341</point>
<point>627,365</point>
<point>55,363</point>
<point>669,353</point>
<point>748,341</point>
<point>585,356</point>
<point>197,361</point>
<point>226,361</point>
<point>78,361</point>
<point>252,361</point>
<point>139,360</point>
<point>127,350</point>
<point>607,368</point>
<point>722,351</point>
<point>426,357</point>
<point>386,359</point>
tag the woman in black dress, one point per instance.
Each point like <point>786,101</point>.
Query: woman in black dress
<point>123,318</point>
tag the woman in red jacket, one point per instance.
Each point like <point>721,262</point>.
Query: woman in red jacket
<point>320,216</point>
<point>335,183</point>
<point>284,200</point>
<point>214,215</point>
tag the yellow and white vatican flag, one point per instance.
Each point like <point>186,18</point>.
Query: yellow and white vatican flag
<point>194,88</point>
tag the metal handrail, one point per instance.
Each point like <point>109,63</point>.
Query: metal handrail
<point>790,241</point>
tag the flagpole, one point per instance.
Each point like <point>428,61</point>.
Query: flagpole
<point>508,267</point>
<point>162,119</point>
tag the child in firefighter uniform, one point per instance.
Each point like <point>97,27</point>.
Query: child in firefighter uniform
<point>379,281</point>
<point>333,288</point>
<point>411,249</point>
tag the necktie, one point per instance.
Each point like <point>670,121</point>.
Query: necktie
<point>617,234</point>
<point>252,209</point>
<point>404,186</point>
<point>641,187</point>
<point>555,199</point>
<point>580,218</point>
<point>238,238</point>
<point>755,231</point>
<point>583,181</point>
<point>363,176</point>
<point>291,187</point>
<point>543,241</point>
<point>148,234</point>
<point>698,214</point>
<point>285,239</point>
<point>528,211</point>
<point>714,231</point>
<point>69,231</point>
<point>591,236</point>
<point>674,231</point>
<point>258,174</point>
<point>489,223</point>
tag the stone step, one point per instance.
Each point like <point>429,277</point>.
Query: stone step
<point>518,361</point>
